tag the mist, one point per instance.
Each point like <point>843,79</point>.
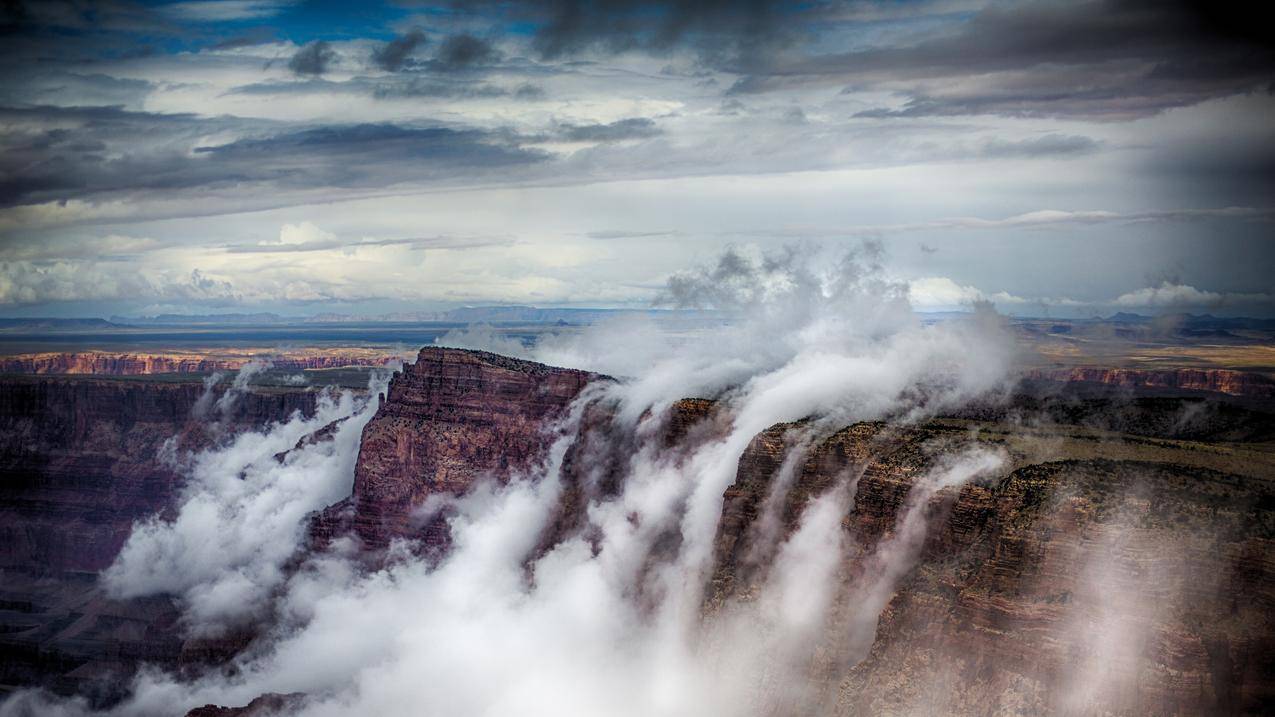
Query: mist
<point>608,620</point>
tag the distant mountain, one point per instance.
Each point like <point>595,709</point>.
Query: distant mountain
<point>201,319</point>
<point>501,314</point>
<point>1125,317</point>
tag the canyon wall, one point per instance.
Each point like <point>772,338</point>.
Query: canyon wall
<point>1064,587</point>
<point>80,462</point>
<point>1003,609</point>
<point>1234,383</point>
<point>446,421</point>
<point>101,363</point>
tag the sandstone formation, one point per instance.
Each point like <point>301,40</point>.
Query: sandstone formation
<point>1235,383</point>
<point>79,464</point>
<point>447,420</point>
<point>1147,582</point>
<point>102,363</point>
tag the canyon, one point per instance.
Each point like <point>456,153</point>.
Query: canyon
<point>108,363</point>
<point>1147,519</point>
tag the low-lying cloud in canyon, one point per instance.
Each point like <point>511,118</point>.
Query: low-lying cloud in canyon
<point>612,618</point>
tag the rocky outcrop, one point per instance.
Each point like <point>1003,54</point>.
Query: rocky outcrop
<point>102,363</point>
<point>446,421</point>
<point>1234,383</point>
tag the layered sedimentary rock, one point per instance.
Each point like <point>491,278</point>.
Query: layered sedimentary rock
<point>1234,383</point>
<point>447,420</point>
<point>1133,573</point>
<point>103,363</point>
<point>80,462</point>
<point>1062,587</point>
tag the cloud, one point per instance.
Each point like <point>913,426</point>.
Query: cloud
<point>243,513</point>
<point>306,237</point>
<point>606,234</point>
<point>1171,295</point>
<point>620,600</point>
<point>392,55</point>
<point>313,59</point>
<point>225,10</point>
<point>1101,59</point>
<point>55,154</point>
<point>1052,145</point>
<point>464,51</point>
<point>367,154</point>
<point>715,30</point>
<point>632,128</point>
<point>28,282</point>
<point>941,292</point>
<point>1039,219</point>
<point>447,88</point>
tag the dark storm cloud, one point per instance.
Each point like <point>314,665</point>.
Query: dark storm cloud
<point>55,154</point>
<point>43,16</point>
<point>392,55</point>
<point>460,52</point>
<point>718,29</point>
<point>632,128</point>
<point>313,59</point>
<point>350,154</point>
<point>1111,59</point>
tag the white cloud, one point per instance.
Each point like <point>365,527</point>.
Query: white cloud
<point>304,233</point>
<point>942,292</point>
<point>1170,295</point>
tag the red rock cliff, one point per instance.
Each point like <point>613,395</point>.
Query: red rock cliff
<point>1235,383</point>
<point>103,363</point>
<point>449,419</point>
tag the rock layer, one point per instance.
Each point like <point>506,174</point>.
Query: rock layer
<point>446,421</point>
<point>1006,608</point>
<point>103,363</point>
<point>1234,383</point>
<point>79,464</point>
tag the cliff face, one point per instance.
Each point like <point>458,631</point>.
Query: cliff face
<point>1007,606</point>
<point>1013,588</point>
<point>1065,587</point>
<point>1235,383</point>
<point>447,420</point>
<point>102,363</point>
<point>79,464</point>
<point>79,461</point>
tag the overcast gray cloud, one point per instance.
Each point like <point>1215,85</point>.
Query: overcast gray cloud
<point>185,135</point>
<point>53,153</point>
<point>1110,59</point>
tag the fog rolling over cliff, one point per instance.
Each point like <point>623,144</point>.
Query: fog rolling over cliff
<point>754,520</point>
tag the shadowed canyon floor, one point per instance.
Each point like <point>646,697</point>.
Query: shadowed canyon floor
<point>1119,561</point>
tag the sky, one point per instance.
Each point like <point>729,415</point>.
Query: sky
<point>211,156</point>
